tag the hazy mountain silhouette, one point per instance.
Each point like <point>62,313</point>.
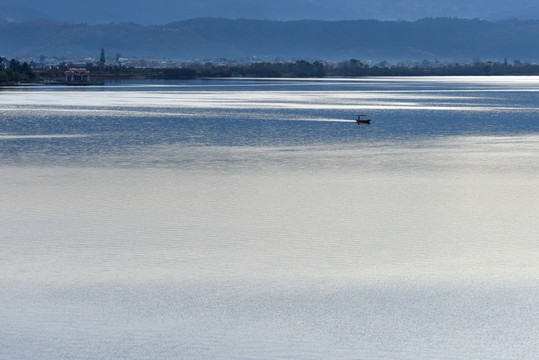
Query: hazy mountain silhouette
<point>165,11</point>
<point>443,39</point>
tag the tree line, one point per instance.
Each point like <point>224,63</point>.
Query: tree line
<point>357,68</point>
<point>13,71</point>
<point>319,69</point>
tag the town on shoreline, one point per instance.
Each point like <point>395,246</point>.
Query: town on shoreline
<point>13,72</point>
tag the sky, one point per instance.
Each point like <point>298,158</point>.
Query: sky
<point>156,12</point>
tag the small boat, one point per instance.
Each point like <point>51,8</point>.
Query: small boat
<point>360,120</point>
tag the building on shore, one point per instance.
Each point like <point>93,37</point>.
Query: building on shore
<point>77,75</point>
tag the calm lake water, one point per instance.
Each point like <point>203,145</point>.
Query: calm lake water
<point>254,219</point>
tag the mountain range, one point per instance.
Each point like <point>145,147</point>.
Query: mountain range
<point>159,12</point>
<point>212,38</point>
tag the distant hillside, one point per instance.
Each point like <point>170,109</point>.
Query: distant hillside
<point>443,39</point>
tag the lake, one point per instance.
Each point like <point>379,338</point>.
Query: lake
<point>254,219</point>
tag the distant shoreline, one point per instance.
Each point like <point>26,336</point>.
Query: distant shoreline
<point>55,75</point>
<point>304,69</point>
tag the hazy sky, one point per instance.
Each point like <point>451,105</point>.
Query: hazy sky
<point>164,11</point>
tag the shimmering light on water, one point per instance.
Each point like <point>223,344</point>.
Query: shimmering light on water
<point>339,100</point>
<point>160,221</point>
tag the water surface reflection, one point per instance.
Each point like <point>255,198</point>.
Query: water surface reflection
<point>187,221</point>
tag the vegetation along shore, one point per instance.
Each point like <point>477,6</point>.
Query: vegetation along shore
<point>13,72</point>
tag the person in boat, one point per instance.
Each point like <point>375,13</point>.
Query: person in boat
<point>360,120</point>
